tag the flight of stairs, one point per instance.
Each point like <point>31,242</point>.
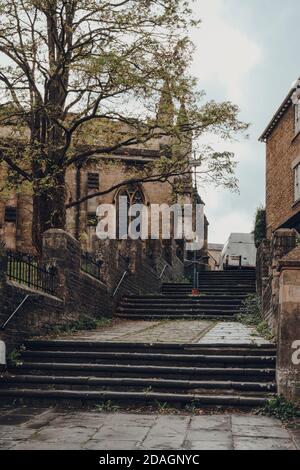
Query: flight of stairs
<point>84,373</point>
<point>221,296</point>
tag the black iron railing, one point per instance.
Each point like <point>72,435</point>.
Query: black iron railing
<point>28,270</point>
<point>91,265</point>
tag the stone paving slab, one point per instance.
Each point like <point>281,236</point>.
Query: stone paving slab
<point>172,331</point>
<point>70,430</point>
<point>179,331</point>
<point>232,333</point>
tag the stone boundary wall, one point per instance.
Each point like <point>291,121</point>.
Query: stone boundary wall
<point>269,254</point>
<point>78,294</point>
<point>278,284</point>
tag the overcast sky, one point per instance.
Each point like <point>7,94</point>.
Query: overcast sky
<point>247,52</point>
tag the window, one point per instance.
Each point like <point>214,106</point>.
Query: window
<point>11,214</point>
<point>134,195</point>
<point>92,219</point>
<point>93,181</point>
<point>297,182</point>
<point>297,118</point>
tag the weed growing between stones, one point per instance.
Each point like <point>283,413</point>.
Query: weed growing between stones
<point>107,407</point>
<point>84,323</point>
<point>13,358</point>
<point>251,315</point>
<point>280,408</point>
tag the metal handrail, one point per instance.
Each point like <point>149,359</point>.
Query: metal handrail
<point>120,283</point>
<point>163,271</point>
<point>4,325</point>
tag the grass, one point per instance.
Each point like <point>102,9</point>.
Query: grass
<point>280,408</point>
<point>251,315</point>
<point>84,323</point>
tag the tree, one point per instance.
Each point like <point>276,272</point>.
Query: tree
<point>76,68</point>
<point>260,228</point>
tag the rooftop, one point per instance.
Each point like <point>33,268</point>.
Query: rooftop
<point>280,112</point>
<point>215,246</point>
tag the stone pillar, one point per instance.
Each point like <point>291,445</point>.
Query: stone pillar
<point>3,261</point>
<point>263,261</point>
<point>284,241</point>
<point>3,314</point>
<point>62,251</point>
<point>288,352</point>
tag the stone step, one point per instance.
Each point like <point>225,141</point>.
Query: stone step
<point>80,398</point>
<point>247,374</point>
<point>164,300</point>
<point>231,290</point>
<point>221,285</point>
<point>180,311</point>
<point>127,383</point>
<point>246,349</point>
<point>171,303</point>
<point>187,298</point>
<point>121,357</point>
<point>149,317</point>
<point>200,307</point>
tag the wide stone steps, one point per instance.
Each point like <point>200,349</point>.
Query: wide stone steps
<point>221,296</point>
<point>241,349</point>
<point>179,310</point>
<point>164,300</point>
<point>247,374</point>
<point>83,398</point>
<point>94,357</point>
<point>129,383</point>
<point>165,316</point>
<point>90,372</point>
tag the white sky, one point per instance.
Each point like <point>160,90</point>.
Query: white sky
<point>247,52</point>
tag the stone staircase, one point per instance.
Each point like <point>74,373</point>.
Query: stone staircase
<point>221,295</point>
<point>83,373</point>
<point>87,373</point>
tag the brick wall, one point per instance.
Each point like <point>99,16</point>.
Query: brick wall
<point>282,149</point>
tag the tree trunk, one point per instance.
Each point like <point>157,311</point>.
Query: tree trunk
<point>48,210</point>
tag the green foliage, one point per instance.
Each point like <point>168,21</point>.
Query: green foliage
<point>84,323</point>
<point>251,315</point>
<point>278,407</point>
<point>260,228</point>
<point>13,358</point>
<point>107,407</point>
<point>182,280</point>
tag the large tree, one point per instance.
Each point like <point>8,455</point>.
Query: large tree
<point>81,78</point>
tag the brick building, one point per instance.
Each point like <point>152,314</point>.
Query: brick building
<point>282,138</point>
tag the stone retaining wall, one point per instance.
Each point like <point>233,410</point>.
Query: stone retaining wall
<point>78,294</point>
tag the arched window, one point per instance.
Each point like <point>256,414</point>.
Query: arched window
<point>135,195</point>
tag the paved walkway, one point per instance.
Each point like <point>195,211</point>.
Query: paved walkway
<point>180,331</point>
<point>32,429</point>
<point>29,428</point>
<point>232,333</point>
